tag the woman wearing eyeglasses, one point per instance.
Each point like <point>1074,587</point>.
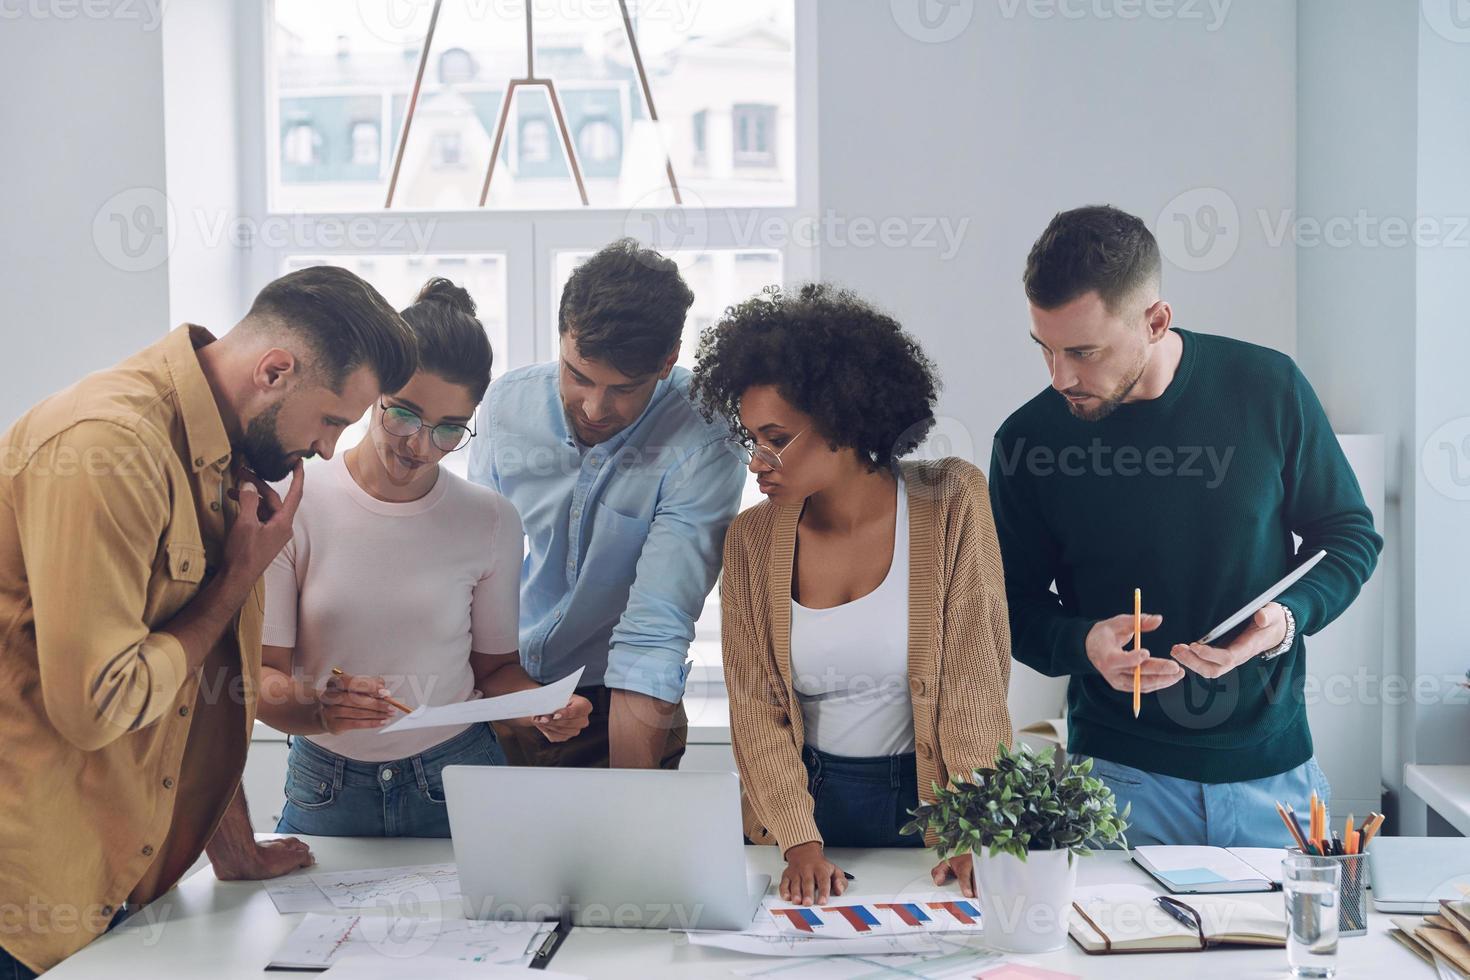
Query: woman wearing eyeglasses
<point>405,578</point>
<point>863,611</point>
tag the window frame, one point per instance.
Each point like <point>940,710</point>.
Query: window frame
<point>529,238</point>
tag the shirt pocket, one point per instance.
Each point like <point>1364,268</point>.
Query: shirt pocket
<point>615,546</point>
<point>178,580</point>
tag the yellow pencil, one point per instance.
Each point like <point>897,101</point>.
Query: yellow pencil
<point>338,671</point>
<point>1137,645</point>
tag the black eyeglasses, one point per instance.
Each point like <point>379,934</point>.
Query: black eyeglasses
<point>403,422</point>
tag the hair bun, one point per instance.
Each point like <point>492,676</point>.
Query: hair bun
<point>441,290</point>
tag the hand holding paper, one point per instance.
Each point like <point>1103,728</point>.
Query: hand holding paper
<point>521,704</point>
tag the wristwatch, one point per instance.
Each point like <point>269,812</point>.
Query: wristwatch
<point>1290,638</point>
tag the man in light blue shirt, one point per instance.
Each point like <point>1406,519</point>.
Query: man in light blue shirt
<point>625,492</point>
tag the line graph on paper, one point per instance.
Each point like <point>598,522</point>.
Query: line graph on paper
<point>321,940</point>
<point>390,887</point>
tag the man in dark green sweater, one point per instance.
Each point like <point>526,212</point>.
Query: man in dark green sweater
<point>1181,464</point>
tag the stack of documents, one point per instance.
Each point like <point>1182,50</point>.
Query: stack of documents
<point>321,940</point>
<point>1441,940</point>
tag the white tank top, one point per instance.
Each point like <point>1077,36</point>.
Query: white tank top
<point>849,664</point>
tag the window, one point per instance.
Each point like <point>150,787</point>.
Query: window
<point>724,84</point>
<point>448,150</point>
<point>598,142</point>
<point>535,142</point>
<point>400,277</point>
<point>699,125</point>
<point>365,144</point>
<point>301,146</point>
<point>755,135</point>
<point>698,58</point>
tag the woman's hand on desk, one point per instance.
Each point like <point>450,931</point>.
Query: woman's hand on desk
<point>566,723</point>
<point>961,867</point>
<point>809,877</point>
<point>352,701</point>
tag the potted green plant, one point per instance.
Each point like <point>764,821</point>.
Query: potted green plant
<point>1026,821</point>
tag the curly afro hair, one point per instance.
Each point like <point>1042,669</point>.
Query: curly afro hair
<point>866,384</point>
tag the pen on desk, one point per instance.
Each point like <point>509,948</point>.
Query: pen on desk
<point>848,876</point>
<point>1175,908</point>
<point>1137,645</point>
<point>337,671</point>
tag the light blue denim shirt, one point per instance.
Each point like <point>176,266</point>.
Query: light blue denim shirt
<point>624,538</point>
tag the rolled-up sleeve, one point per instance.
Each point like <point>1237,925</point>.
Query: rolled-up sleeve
<point>676,570</point>
<point>90,521</point>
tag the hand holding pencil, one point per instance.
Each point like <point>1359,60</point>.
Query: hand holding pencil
<point>350,702</point>
<point>1107,649</point>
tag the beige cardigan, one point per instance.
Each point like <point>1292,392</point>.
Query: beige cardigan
<point>959,646</point>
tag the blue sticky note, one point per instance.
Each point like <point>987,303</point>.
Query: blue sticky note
<point>1192,876</point>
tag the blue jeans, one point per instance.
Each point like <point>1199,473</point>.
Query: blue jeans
<point>1169,810</point>
<point>862,802</point>
<point>329,795</point>
<point>13,969</point>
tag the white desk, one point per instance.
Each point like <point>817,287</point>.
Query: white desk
<point>1445,788</point>
<point>226,930</point>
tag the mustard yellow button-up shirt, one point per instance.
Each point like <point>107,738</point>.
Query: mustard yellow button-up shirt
<point>117,761</point>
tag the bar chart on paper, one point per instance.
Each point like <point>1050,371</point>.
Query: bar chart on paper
<point>853,916</point>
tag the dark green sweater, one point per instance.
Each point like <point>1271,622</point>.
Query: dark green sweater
<point>1192,497</point>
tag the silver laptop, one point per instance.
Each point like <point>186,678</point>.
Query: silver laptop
<point>1411,874</point>
<point>630,848</point>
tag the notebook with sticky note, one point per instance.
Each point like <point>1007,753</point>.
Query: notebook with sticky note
<point>1206,870</point>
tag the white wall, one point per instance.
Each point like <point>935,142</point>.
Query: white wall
<point>1383,332</point>
<point>83,124</point>
<point>1357,107</point>
<point>1016,118</point>
<point>1441,393</point>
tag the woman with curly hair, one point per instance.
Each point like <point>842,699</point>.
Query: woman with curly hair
<point>865,638</point>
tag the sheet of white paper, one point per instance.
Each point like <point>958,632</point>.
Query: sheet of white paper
<point>320,940</point>
<point>297,893</point>
<point>381,968</point>
<point>521,704</point>
<point>798,946</point>
<point>953,961</point>
<point>399,889</point>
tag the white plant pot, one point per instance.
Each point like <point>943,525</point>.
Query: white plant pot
<point>1024,904</point>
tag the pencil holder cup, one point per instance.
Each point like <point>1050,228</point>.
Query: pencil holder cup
<point>1352,894</point>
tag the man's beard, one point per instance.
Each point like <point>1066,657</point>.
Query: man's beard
<point>1110,404</point>
<point>262,447</point>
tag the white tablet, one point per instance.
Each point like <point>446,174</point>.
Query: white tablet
<point>1250,608</point>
